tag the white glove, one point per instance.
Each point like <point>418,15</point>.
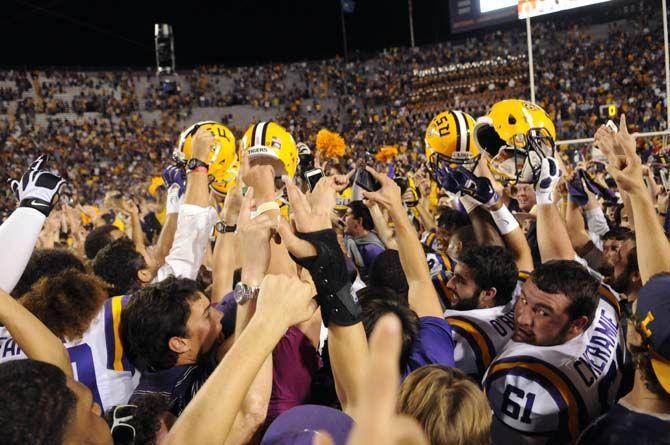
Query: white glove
<point>38,189</point>
<point>549,176</point>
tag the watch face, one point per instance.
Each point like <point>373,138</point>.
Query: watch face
<point>240,293</point>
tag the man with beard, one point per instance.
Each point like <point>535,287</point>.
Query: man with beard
<point>483,296</point>
<point>563,366</point>
<point>483,286</point>
<point>625,277</point>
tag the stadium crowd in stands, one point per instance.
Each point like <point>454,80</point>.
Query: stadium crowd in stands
<point>434,269</point>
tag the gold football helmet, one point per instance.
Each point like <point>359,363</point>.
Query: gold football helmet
<point>518,135</point>
<point>222,155</point>
<point>269,140</point>
<point>222,181</point>
<point>449,141</point>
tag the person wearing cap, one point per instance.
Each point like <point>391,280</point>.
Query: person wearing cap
<point>643,415</point>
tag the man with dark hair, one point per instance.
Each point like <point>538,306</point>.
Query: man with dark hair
<point>99,238</point>
<point>562,367</point>
<point>386,271</point>
<point>148,417</point>
<point>643,415</point>
<point>483,290</point>
<point>485,277</point>
<point>168,330</point>
<point>461,241</point>
<point>46,263</point>
<point>43,406</point>
<point>448,221</point>
<point>122,266</point>
<point>379,301</point>
<point>363,245</point>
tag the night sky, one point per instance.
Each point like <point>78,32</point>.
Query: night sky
<point>120,33</point>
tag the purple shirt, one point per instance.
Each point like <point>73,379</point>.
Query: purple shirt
<point>433,346</point>
<point>295,362</point>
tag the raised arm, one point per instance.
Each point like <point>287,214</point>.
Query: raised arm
<point>315,247</point>
<point>196,217</point>
<point>129,207</point>
<point>255,242</point>
<point>30,334</point>
<point>552,236</point>
<point>209,417</point>
<point>225,249</point>
<point>422,296</point>
<point>653,248</point>
<point>37,193</point>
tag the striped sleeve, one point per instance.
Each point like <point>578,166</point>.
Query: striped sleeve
<point>116,359</point>
<point>532,398</point>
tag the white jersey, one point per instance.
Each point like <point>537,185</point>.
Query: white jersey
<point>550,394</point>
<point>481,334</point>
<point>97,358</point>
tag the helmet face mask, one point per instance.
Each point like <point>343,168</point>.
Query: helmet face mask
<point>522,163</point>
<point>518,135</point>
<point>440,165</point>
<point>450,144</point>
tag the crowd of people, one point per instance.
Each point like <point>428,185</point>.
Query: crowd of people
<point>475,298</point>
<point>452,276</point>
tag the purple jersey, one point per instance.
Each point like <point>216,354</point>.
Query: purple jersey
<point>433,345</point>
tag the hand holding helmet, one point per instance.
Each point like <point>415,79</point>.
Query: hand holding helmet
<point>549,176</point>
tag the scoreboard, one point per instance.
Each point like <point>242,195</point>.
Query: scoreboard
<point>468,15</point>
<point>533,8</point>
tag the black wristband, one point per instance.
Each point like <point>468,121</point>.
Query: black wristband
<point>331,278</point>
<point>40,205</point>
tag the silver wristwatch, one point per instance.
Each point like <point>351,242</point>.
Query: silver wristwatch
<point>244,292</point>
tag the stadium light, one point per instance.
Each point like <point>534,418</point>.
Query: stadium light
<point>164,48</point>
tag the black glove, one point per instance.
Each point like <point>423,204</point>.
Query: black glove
<point>38,189</point>
<point>331,278</point>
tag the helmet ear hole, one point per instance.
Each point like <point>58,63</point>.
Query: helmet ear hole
<point>511,120</point>
<point>489,140</point>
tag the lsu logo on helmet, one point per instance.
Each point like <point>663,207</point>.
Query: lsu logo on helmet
<point>222,155</point>
<point>450,143</point>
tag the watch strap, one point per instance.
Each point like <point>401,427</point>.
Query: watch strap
<point>195,163</point>
<point>222,227</point>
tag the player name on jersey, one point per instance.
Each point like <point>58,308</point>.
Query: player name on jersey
<point>549,394</point>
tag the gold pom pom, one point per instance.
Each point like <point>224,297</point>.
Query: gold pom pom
<point>331,144</point>
<point>387,153</point>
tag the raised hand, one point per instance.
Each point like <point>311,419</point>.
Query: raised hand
<point>203,144</point>
<point>232,205</point>
<point>38,189</point>
<point>624,142</point>
<point>286,300</point>
<point>550,173</point>
<point>388,196</point>
<point>255,240</point>
<point>627,168</point>
<point>311,213</point>
<point>175,175</point>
